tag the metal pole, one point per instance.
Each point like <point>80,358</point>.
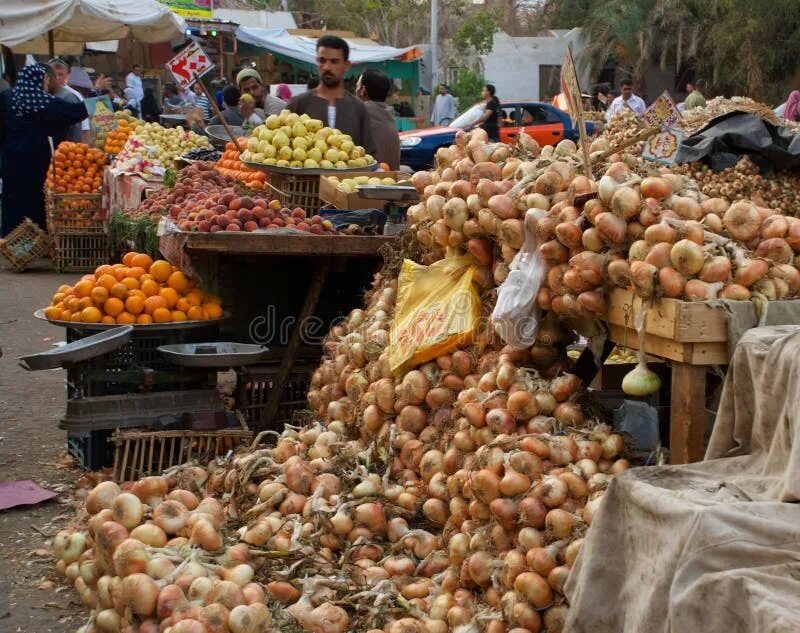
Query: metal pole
<point>434,45</point>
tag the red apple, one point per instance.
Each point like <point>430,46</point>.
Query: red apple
<point>317,219</point>
<point>264,222</point>
<point>233,227</point>
<point>316,229</point>
<point>245,215</point>
<point>258,212</point>
<point>250,226</point>
<point>299,213</point>
<point>204,226</point>
<point>278,222</point>
<point>303,226</point>
<point>215,229</point>
<point>246,202</point>
<point>223,221</point>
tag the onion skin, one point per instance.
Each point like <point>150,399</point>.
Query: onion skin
<point>742,220</point>
<point>640,381</point>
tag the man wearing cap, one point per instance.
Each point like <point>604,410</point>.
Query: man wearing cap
<point>330,102</point>
<point>249,82</point>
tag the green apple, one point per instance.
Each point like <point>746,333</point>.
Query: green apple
<point>298,129</point>
<point>314,154</point>
<point>313,125</point>
<point>282,163</point>
<point>257,158</point>
<point>361,180</point>
<point>388,181</point>
<point>292,118</point>
<point>266,135</point>
<point>347,146</point>
<point>261,146</point>
<point>332,155</point>
<point>270,161</point>
<point>375,181</point>
<point>270,151</point>
<point>334,140</point>
<point>344,156</point>
<point>296,164</point>
<point>321,145</point>
<point>304,118</point>
<point>280,140</point>
<point>326,164</point>
<point>299,143</point>
<point>340,164</point>
<point>324,133</point>
<point>252,144</point>
<point>368,160</point>
<point>299,154</point>
<point>358,152</point>
<point>273,122</point>
<point>285,153</point>
<point>310,163</point>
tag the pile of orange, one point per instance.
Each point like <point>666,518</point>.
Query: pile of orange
<point>137,291</point>
<point>78,169</point>
<point>230,165</point>
<point>117,137</point>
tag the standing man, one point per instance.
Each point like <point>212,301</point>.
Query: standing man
<point>696,98</point>
<point>330,102</point>
<point>490,119</point>
<point>444,108</point>
<point>627,100</point>
<point>249,82</point>
<point>77,132</point>
<point>372,88</point>
<point>134,81</point>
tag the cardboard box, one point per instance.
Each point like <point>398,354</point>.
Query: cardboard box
<point>352,201</point>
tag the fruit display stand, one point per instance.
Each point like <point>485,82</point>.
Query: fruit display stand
<point>275,282</point>
<point>692,336</point>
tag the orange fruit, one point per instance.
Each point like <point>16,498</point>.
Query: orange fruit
<point>134,304</point>
<point>149,287</point>
<point>211,298</point>
<point>107,280</point>
<point>179,315</point>
<point>151,304</point>
<point>121,273</point>
<point>195,313</point>
<point>170,296</point>
<point>127,258</point>
<point>113,307</point>
<point>135,272</point>
<point>76,317</point>
<point>212,311</point>
<point>118,290</point>
<point>126,318</point>
<point>66,315</point>
<point>99,295</point>
<point>184,305</point>
<point>58,298</point>
<point>137,293</point>
<point>85,302</point>
<point>195,297</point>
<point>53,313</point>
<point>145,277</point>
<point>144,319</point>
<point>83,288</point>
<point>73,304</point>
<point>108,320</point>
<point>64,288</point>
<point>130,283</point>
<point>162,315</point>
<point>91,315</point>
<point>178,282</point>
<point>161,270</point>
<point>141,260</point>
<point>105,269</point>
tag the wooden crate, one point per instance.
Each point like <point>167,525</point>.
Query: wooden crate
<point>24,244</point>
<point>352,201</point>
<point>77,253</point>
<point>76,214</point>
<point>254,385</point>
<point>684,331</point>
<point>297,190</point>
<point>138,453</point>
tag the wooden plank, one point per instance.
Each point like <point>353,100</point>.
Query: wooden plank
<point>694,353</point>
<point>301,245</point>
<point>682,321</point>
<point>687,413</point>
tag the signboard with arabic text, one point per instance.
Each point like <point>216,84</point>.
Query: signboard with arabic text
<point>190,8</point>
<point>189,61</point>
<point>663,148</point>
<point>662,113</point>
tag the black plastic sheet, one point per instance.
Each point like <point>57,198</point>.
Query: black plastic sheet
<point>721,143</point>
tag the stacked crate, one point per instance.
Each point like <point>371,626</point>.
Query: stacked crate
<point>78,224</point>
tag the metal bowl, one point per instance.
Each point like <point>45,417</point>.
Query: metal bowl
<point>296,171</point>
<point>152,327</point>
<point>77,351</point>
<point>214,354</point>
<point>219,135</point>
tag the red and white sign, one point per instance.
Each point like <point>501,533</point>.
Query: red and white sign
<point>189,61</point>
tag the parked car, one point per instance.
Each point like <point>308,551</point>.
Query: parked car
<point>544,122</point>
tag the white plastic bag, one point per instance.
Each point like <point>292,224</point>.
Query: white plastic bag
<point>516,315</point>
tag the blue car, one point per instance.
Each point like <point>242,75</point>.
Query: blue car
<point>545,123</point>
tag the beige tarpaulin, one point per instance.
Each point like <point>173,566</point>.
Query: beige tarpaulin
<point>24,24</point>
<point>712,547</point>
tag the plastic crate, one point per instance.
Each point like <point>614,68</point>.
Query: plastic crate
<point>138,453</point>
<point>125,369</point>
<point>76,214</point>
<point>77,253</point>
<point>298,191</point>
<point>24,244</point>
<point>92,449</point>
<point>254,385</point>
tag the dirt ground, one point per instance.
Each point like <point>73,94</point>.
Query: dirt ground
<point>30,444</point>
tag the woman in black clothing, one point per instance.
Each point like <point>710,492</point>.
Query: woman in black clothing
<point>29,114</point>
<point>490,119</point>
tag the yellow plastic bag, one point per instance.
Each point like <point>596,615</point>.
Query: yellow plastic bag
<point>437,311</point>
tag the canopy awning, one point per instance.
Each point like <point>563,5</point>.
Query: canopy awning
<point>24,25</point>
<point>304,49</point>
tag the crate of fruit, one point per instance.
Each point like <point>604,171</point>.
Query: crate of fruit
<point>76,214</point>
<point>24,244</point>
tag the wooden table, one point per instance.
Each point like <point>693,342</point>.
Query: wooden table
<point>692,335</point>
<point>288,273</point>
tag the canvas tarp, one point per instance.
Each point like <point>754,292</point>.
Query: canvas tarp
<point>283,43</point>
<point>712,546</point>
<point>24,24</point>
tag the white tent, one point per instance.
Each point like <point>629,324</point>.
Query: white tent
<point>281,42</point>
<point>25,24</point>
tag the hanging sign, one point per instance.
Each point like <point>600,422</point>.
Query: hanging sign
<point>190,8</point>
<point>663,148</point>
<point>189,61</point>
<point>662,113</point>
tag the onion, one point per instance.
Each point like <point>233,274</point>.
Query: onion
<point>749,271</point>
<point>659,255</point>
<point>455,213</point>
<point>619,273</point>
<point>661,232</point>
<point>697,290</point>
<point>687,208</point>
<point>639,250</point>
<point>327,618</point>
<point>655,187</point>
<point>742,220</point>
<point>534,588</point>
<point>643,277</point>
<point>512,233</point>
<point>102,496</point>
<point>611,227</point>
<point>671,282</point>
<point>140,593</point>
<point>205,534</point>
<point>640,381</point>
<point>522,406</point>
<point>569,414</point>
<point>414,387</point>
<point>130,557</point>
<point>687,257</point>
<point>625,202</point>
<point>548,183</point>
<point>127,510</point>
<point>735,292</point>
<point>717,268</point>
<point>775,249</point>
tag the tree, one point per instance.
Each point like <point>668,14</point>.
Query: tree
<point>467,89</point>
<point>476,33</point>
